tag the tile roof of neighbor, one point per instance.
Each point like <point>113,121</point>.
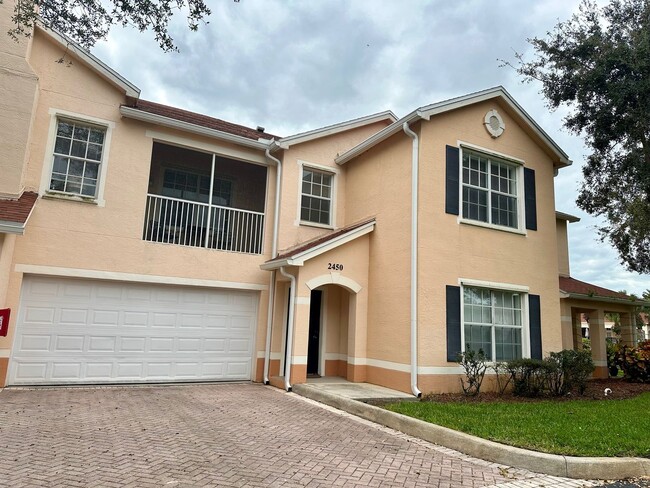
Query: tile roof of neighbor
<point>18,210</point>
<point>306,246</point>
<point>202,120</point>
<point>571,285</point>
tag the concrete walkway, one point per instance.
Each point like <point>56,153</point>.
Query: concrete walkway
<point>347,399</point>
<point>355,391</point>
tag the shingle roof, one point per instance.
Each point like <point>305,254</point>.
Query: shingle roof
<point>17,211</point>
<point>201,120</point>
<point>306,246</point>
<point>571,285</point>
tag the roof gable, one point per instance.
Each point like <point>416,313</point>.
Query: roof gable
<point>97,65</point>
<point>329,130</point>
<point>428,111</point>
<point>297,255</point>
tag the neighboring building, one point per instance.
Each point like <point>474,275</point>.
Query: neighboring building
<point>580,299</point>
<point>144,243</point>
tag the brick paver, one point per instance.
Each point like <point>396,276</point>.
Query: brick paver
<point>218,435</point>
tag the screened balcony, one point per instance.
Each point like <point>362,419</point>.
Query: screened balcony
<point>204,200</point>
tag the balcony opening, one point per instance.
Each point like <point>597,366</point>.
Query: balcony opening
<point>205,200</point>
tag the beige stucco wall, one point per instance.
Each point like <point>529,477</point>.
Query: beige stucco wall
<point>19,88</point>
<point>318,152</point>
<point>562,247</point>
<point>448,250</point>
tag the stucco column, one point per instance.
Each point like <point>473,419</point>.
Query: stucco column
<point>357,336</point>
<point>300,335</point>
<point>598,343</point>
<point>628,329</point>
<point>567,326</point>
<point>576,328</point>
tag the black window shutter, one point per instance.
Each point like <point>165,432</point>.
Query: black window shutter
<point>453,323</point>
<point>531,199</point>
<point>452,173</point>
<point>535,324</point>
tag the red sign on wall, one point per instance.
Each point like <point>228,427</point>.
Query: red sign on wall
<point>4,321</point>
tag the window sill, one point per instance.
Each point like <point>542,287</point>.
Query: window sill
<point>315,224</point>
<point>72,198</point>
<point>485,225</point>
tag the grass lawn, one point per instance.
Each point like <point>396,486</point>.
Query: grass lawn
<point>575,428</point>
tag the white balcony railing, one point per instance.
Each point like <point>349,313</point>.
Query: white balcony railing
<point>186,223</point>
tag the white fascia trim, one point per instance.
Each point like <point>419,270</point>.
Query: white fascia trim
<point>502,93</point>
<point>137,114</point>
<point>8,227</point>
<point>493,285</point>
<point>132,277</point>
<point>5,353</point>
<point>300,258</point>
<point>95,63</point>
<point>329,130</point>
<point>428,111</point>
<point>380,136</point>
<point>195,145</point>
<point>620,301</point>
<point>565,216</point>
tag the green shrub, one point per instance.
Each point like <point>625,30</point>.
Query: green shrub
<point>528,376</point>
<point>575,369</point>
<point>556,375</point>
<point>474,364</point>
<point>502,376</point>
<point>612,358</point>
<point>635,362</point>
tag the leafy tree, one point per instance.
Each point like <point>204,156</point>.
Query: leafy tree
<point>87,21</point>
<point>598,64</point>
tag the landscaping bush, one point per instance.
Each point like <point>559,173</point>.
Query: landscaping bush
<point>502,376</point>
<point>556,375</point>
<point>575,368</point>
<point>528,376</point>
<point>612,358</point>
<point>474,364</point>
<point>635,362</point>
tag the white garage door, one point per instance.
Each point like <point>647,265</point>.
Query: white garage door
<point>87,331</point>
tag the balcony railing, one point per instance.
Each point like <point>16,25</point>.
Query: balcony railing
<point>187,223</point>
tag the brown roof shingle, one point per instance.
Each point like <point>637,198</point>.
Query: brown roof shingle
<point>305,246</point>
<point>199,119</point>
<point>571,285</point>
<point>18,210</point>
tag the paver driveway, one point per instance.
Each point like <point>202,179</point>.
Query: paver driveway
<point>215,435</point>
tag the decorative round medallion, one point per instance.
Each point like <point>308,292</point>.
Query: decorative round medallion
<point>494,123</point>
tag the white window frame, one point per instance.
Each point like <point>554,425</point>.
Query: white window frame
<point>48,162</point>
<point>518,164</point>
<point>524,292</point>
<point>334,172</point>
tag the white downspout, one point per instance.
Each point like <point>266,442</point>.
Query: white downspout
<point>414,259</point>
<point>274,252</point>
<point>289,352</point>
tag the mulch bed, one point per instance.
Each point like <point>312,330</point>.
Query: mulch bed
<point>620,389</point>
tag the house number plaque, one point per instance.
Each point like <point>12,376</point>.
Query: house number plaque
<point>335,266</point>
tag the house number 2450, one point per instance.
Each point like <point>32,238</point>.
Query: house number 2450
<point>335,266</point>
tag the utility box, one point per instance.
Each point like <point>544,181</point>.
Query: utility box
<point>4,321</point>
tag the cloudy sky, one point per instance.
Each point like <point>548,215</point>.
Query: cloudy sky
<point>296,65</point>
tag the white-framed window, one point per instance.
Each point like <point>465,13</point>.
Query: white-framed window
<point>76,157</point>
<point>494,322</point>
<point>78,151</point>
<point>490,190</point>
<point>316,196</point>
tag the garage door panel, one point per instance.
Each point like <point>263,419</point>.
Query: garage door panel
<point>76,331</point>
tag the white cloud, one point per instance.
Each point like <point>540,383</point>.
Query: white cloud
<point>292,65</point>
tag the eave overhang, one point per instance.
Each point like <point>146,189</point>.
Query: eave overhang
<point>301,257</point>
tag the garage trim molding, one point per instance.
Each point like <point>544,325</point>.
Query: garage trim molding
<point>139,278</point>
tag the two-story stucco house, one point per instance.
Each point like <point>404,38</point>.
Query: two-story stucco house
<point>145,243</point>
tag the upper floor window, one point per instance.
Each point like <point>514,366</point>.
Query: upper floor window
<point>316,196</point>
<point>492,322</point>
<point>187,185</point>
<point>490,192</point>
<point>78,151</point>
